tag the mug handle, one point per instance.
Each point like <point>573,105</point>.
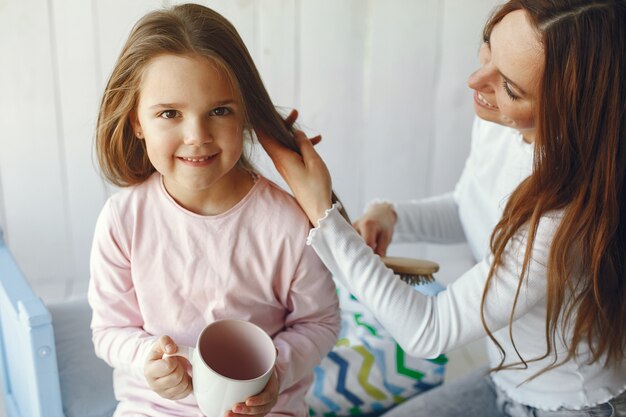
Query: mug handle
<point>183,351</point>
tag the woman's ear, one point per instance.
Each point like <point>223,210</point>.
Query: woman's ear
<point>134,123</point>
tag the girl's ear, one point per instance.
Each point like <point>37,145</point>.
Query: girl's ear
<point>134,123</point>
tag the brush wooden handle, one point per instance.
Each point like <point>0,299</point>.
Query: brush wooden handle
<point>410,266</point>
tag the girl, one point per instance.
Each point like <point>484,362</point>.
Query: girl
<point>550,294</point>
<point>196,235</point>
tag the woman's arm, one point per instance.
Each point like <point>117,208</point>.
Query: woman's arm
<point>423,326</point>
<point>432,219</point>
<point>428,326</point>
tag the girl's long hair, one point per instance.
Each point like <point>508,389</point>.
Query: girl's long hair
<point>579,167</point>
<point>187,29</point>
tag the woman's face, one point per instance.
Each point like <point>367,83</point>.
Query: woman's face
<point>506,86</point>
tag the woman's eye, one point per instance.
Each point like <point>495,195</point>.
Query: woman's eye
<point>168,114</point>
<point>508,91</point>
<point>221,111</point>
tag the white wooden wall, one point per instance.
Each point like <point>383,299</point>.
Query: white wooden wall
<point>384,81</point>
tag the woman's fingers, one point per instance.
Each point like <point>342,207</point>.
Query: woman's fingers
<point>291,118</point>
<point>306,174</point>
<point>306,147</point>
<point>384,239</point>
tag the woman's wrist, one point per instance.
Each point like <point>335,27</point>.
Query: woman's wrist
<point>320,212</point>
<point>384,210</point>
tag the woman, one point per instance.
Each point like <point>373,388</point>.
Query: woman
<point>550,293</point>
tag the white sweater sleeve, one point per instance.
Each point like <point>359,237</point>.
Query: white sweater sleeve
<point>434,220</point>
<point>428,326</point>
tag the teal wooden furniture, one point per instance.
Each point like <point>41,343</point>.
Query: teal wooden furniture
<point>47,364</point>
<point>27,351</point>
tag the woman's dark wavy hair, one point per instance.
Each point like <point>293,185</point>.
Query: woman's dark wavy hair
<point>187,29</point>
<point>579,167</point>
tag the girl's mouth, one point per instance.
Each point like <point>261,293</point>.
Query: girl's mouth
<point>197,161</point>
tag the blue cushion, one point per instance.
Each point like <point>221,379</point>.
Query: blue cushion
<point>86,381</point>
<point>367,372</point>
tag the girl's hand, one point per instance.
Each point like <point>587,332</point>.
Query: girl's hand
<point>306,175</point>
<point>167,377</point>
<point>376,226</point>
<point>260,404</point>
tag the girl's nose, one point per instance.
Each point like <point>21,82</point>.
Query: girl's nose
<point>198,133</point>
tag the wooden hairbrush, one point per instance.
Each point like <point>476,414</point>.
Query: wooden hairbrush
<point>410,270</point>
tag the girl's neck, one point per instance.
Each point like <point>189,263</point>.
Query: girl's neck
<point>217,199</point>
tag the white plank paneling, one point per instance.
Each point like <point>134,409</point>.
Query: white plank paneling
<point>114,20</point>
<point>276,55</point>
<point>332,51</point>
<point>3,218</point>
<point>453,105</point>
<point>402,66</point>
<point>32,158</point>
<point>77,103</point>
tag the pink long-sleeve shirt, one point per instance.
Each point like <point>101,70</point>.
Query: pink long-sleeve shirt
<point>158,269</point>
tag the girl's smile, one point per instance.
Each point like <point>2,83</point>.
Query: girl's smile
<point>197,161</point>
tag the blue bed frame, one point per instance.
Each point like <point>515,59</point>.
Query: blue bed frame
<point>28,364</point>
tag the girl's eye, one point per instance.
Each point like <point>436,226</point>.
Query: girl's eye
<point>168,114</point>
<point>221,111</point>
<point>508,91</point>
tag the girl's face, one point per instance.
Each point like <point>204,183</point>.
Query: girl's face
<point>192,122</point>
<point>506,86</point>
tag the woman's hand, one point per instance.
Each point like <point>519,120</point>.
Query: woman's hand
<point>260,404</point>
<point>306,175</point>
<point>376,226</point>
<point>167,377</point>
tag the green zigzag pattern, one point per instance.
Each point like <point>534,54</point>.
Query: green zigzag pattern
<point>403,369</point>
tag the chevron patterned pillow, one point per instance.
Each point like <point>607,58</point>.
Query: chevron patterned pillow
<point>367,372</point>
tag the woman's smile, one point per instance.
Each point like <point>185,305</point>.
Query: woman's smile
<point>482,101</point>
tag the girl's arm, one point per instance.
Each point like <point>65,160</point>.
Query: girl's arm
<point>117,324</point>
<point>311,326</point>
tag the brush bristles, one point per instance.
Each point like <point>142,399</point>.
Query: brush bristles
<point>416,279</point>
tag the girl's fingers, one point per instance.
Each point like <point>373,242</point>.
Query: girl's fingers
<point>251,411</point>
<point>164,344</point>
<point>180,390</point>
<point>161,368</point>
